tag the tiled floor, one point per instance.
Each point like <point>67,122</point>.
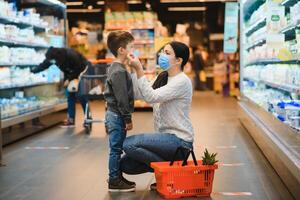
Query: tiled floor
<point>66,164</point>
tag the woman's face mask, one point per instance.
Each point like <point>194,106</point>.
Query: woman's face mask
<point>167,58</point>
<point>164,62</point>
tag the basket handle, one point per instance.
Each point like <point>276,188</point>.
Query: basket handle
<point>186,156</point>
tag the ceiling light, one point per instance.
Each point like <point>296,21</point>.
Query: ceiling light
<point>90,7</point>
<point>83,10</point>
<point>75,3</point>
<point>134,2</point>
<point>186,8</point>
<point>100,2</point>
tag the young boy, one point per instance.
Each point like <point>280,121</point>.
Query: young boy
<point>119,96</point>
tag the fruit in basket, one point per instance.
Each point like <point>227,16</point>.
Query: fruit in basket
<point>208,158</point>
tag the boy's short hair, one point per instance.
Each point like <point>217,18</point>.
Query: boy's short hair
<point>117,39</point>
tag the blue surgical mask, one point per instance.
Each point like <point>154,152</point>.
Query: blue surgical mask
<point>164,62</point>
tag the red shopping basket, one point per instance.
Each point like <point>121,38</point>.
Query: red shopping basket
<point>177,179</point>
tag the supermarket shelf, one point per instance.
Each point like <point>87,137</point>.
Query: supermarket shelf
<point>52,2</point>
<point>256,26</point>
<point>18,64</point>
<point>289,3</point>
<point>290,28</point>
<point>32,115</point>
<point>287,88</point>
<point>273,61</point>
<point>25,85</point>
<point>12,43</point>
<point>257,43</point>
<point>250,6</point>
<point>276,141</point>
<point>20,24</point>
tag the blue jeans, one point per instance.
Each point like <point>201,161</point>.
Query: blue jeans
<point>71,97</point>
<point>143,149</point>
<point>117,134</point>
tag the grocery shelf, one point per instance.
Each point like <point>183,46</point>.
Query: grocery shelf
<point>25,85</point>
<point>52,2</point>
<point>20,24</point>
<point>257,43</point>
<point>290,28</point>
<point>32,115</point>
<point>256,26</point>
<point>18,64</point>
<point>273,61</point>
<point>286,88</point>
<point>250,6</point>
<point>289,3</point>
<point>14,43</point>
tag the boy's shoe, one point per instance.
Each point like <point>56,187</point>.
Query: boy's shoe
<point>119,185</point>
<point>153,186</point>
<point>127,181</point>
<point>69,123</point>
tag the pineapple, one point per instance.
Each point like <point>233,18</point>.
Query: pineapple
<point>209,159</point>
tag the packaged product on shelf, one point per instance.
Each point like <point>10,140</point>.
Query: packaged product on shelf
<point>11,31</point>
<point>275,17</point>
<point>295,14</point>
<point>2,31</point>
<point>4,76</point>
<point>4,54</point>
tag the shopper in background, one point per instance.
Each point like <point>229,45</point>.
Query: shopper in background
<point>120,104</point>
<point>198,67</point>
<point>171,97</point>
<point>219,73</point>
<point>72,64</point>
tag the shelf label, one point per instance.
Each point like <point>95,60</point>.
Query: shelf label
<point>231,27</point>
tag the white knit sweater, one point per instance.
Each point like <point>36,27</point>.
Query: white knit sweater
<point>171,104</point>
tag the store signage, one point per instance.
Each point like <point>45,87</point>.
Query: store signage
<point>231,27</point>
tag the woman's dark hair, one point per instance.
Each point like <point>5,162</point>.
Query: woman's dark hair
<point>181,50</point>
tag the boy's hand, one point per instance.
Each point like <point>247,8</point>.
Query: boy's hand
<point>129,126</point>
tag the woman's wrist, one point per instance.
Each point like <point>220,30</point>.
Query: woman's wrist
<point>140,72</point>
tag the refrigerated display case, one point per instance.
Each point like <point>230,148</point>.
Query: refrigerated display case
<point>270,82</point>
<point>29,102</point>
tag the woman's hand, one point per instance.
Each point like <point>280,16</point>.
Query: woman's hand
<point>135,63</point>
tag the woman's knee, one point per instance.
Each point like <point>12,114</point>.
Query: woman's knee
<point>129,144</point>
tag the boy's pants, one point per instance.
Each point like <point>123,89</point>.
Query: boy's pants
<point>117,134</point>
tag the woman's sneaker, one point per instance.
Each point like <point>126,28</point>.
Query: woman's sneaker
<point>120,185</point>
<point>153,186</point>
<point>69,123</point>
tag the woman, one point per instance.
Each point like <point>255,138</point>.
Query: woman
<point>171,96</point>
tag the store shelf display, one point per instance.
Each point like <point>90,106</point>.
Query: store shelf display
<point>23,43</point>
<point>22,18</point>
<point>271,55</point>
<point>10,77</point>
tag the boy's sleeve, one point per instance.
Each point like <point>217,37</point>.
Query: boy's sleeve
<point>119,86</point>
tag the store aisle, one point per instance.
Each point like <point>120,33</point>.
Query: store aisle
<point>62,164</point>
